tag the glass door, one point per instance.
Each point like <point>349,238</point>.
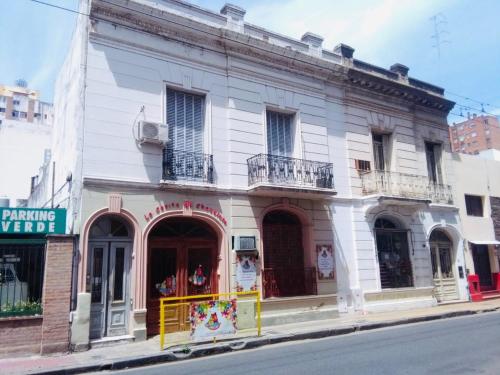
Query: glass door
<point>98,270</point>
<point>442,269</point>
<point>118,289</point>
<point>109,273</point>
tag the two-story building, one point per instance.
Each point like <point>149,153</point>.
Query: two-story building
<point>271,145</point>
<point>405,225</point>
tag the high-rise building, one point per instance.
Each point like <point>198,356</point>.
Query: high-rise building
<point>476,134</point>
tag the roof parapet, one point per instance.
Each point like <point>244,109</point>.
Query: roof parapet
<point>314,41</point>
<point>401,70</point>
<point>346,52</point>
<point>235,17</point>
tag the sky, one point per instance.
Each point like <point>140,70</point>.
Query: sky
<point>382,32</point>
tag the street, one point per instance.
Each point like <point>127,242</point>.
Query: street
<point>468,345</point>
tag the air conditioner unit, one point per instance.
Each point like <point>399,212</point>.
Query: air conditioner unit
<point>152,132</point>
<point>244,243</point>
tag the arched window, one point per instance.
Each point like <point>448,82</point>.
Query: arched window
<point>109,226</point>
<point>383,223</point>
<point>439,236</point>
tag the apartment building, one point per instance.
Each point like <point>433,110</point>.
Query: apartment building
<point>476,134</point>
<point>25,137</point>
<point>194,138</point>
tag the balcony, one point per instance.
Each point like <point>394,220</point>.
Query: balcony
<point>268,173</point>
<point>185,166</point>
<point>405,186</point>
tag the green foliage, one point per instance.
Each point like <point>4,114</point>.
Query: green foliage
<point>21,308</point>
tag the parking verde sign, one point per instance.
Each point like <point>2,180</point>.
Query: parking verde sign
<point>32,220</point>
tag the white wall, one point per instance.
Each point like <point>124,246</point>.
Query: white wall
<point>122,79</point>
<point>22,150</point>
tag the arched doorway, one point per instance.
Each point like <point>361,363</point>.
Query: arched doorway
<point>393,254</point>
<point>284,273</point>
<point>182,260</point>
<point>108,276</point>
<point>441,250</point>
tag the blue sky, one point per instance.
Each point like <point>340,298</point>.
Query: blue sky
<point>381,31</point>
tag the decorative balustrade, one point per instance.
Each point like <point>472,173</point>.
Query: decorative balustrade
<point>405,185</point>
<point>289,282</point>
<point>281,170</point>
<point>187,166</point>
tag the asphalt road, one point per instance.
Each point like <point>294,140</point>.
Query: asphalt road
<point>468,345</point>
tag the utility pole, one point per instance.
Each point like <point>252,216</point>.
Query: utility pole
<point>439,25</point>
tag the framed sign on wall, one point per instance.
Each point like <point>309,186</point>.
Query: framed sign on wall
<point>326,262</point>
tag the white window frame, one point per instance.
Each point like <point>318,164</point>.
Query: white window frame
<point>206,108</point>
<point>296,131</point>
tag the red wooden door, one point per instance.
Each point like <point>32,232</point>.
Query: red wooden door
<point>284,272</point>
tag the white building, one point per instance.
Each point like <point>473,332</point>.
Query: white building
<point>277,146</point>
<point>477,194</point>
<point>25,136</point>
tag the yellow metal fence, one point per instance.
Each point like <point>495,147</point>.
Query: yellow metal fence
<point>185,300</point>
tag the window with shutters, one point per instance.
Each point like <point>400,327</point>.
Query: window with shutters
<point>279,134</point>
<point>185,115</point>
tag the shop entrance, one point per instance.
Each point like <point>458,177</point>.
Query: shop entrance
<point>393,255</point>
<point>481,257</point>
<point>284,273</point>
<point>445,286</point>
<point>182,261</point>
<point>108,276</point>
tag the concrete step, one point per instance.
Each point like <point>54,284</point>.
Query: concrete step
<point>287,317</point>
<point>111,341</point>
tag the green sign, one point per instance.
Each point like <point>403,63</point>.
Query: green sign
<point>33,220</point>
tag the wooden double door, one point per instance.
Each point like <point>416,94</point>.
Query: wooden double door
<point>178,267</point>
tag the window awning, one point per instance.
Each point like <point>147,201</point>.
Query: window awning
<point>485,242</point>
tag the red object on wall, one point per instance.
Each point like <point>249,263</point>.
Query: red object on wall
<point>495,276</point>
<point>474,288</point>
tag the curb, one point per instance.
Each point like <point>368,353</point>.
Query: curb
<point>251,343</point>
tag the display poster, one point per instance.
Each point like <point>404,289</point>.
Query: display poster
<point>326,263</point>
<point>212,318</point>
<point>246,273</point>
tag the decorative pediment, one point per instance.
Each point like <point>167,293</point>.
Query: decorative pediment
<point>380,121</point>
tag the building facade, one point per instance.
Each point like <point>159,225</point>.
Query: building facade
<point>25,136</point>
<point>477,192</point>
<point>270,145</point>
<point>476,134</point>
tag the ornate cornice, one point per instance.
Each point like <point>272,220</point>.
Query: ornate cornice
<point>398,90</point>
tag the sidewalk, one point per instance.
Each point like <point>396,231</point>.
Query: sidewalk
<point>148,352</point>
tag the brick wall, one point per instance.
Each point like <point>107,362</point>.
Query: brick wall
<point>495,215</point>
<point>20,335</point>
<point>57,294</point>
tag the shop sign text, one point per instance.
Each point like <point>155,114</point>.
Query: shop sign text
<point>187,205</point>
<point>32,220</point>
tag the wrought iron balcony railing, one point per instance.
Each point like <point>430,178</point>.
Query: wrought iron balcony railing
<point>405,186</point>
<point>187,166</point>
<point>281,170</point>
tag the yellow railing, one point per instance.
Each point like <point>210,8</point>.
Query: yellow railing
<point>164,302</point>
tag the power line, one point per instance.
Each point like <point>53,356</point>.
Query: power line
<point>59,7</point>
<point>438,18</point>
